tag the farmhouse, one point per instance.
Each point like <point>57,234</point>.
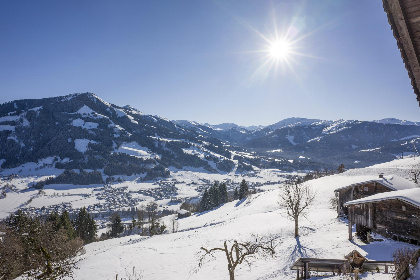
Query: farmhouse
<point>355,187</point>
<point>393,214</point>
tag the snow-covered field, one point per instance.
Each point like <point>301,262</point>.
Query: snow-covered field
<point>175,255</point>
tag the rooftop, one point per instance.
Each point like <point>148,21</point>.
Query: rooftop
<point>411,196</point>
<point>393,182</point>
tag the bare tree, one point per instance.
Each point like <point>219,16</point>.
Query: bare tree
<point>237,253</point>
<point>341,168</point>
<point>296,197</point>
<point>414,174</point>
<point>402,259</point>
<point>174,224</point>
<point>141,215</point>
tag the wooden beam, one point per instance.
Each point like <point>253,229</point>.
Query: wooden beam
<point>405,41</point>
<point>350,217</point>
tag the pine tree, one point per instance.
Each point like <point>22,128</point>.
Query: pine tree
<point>116,225</point>
<point>223,193</point>
<point>214,195</point>
<point>54,218</point>
<point>205,201</point>
<point>85,226</point>
<point>236,194</point>
<point>243,189</point>
<point>67,225</point>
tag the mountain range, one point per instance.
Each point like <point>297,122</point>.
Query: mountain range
<point>82,131</point>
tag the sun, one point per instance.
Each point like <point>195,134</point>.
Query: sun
<point>280,49</point>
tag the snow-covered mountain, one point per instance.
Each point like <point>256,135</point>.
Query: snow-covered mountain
<point>293,122</point>
<point>330,143</point>
<point>396,121</point>
<point>82,131</point>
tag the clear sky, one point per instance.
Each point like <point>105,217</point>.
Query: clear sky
<point>209,60</point>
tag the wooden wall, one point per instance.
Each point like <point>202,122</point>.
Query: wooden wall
<point>358,191</point>
<point>391,218</point>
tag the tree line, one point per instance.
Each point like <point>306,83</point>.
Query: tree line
<point>72,177</point>
<point>147,223</point>
<point>43,248</point>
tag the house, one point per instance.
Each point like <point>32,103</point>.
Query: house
<point>182,213</point>
<point>354,187</point>
<point>393,214</point>
<point>404,18</point>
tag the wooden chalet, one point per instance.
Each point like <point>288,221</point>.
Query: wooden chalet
<point>392,214</point>
<point>404,18</point>
<point>355,187</point>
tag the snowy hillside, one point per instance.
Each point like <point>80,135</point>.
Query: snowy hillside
<point>82,131</point>
<point>174,255</point>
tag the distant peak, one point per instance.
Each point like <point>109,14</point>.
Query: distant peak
<point>396,121</point>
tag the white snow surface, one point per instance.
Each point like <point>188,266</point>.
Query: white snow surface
<point>9,118</point>
<point>86,111</point>
<point>174,255</point>
<point>409,137</point>
<point>82,144</point>
<point>416,273</point>
<point>393,182</point>
<point>134,149</point>
<point>7,127</point>
<point>396,121</point>
<point>411,196</point>
<point>86,125</point>
<point>291,138</point>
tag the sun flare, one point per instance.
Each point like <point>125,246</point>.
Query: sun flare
<point>280,49</point>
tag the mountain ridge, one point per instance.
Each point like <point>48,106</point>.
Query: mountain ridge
<point>83,131</point>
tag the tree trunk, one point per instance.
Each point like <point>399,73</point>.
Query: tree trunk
<point>296,226</point>
<point>231,274</point>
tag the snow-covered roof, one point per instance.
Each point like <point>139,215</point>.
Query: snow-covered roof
<point>393,182</point>
<point>182,211</point>
<point>411,196</point>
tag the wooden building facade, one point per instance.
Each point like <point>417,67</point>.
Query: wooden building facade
<point>358,191</point>
<point>368,187</point>
<point>395,215</point>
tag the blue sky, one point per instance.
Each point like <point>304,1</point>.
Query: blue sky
<point>202,60</point>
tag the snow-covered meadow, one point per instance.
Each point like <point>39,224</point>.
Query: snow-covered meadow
<point>175,255</point>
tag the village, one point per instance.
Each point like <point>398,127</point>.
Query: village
<point>103,201</point>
